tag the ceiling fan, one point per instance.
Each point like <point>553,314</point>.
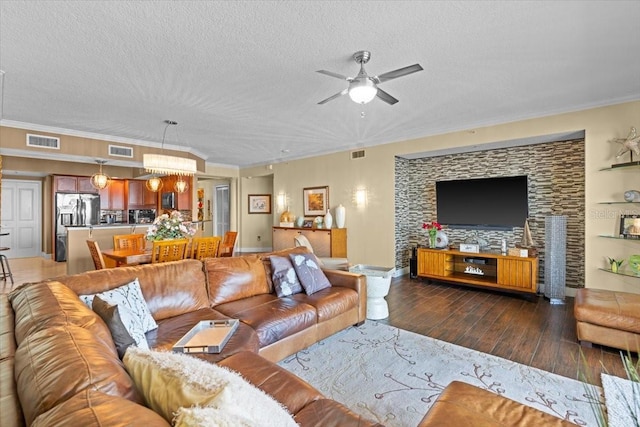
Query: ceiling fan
<point>363,87</point>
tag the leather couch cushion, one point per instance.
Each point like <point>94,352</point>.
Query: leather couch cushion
<point>293,392</point>
<point>235,278</point>
<point>39,306</point>
<point>91,408</point>
<point>329,413</point>
<point>271,317</point>
<point>616,310</point>
<point>462,404</point>
<point>330,302</point>
<point>171,330</point>
<point>56,363</point>
<point>169,288</point>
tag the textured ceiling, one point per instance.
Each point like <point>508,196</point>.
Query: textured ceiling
<point>240,78</point>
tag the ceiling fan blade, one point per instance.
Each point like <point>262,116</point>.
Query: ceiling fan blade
<point>386,97</point>
<point>344,92</point>
<point>400,72</point>
<point>332,74</point>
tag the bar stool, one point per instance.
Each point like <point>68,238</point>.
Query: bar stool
<point>4,262</point>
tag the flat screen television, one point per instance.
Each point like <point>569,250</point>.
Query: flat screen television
<point>485,203</point>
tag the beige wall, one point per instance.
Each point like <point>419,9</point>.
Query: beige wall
<point>371,230</point>
<point>15,139</point>
<point>256,233</point>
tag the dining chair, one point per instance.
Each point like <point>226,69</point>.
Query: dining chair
<point>205,247</point>
<point>168,250</point>
<point>227,244</point>
<point>96,255</point>
<point>129,241</point>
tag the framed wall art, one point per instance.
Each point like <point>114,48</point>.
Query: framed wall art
<point>259,203</point>
<point>316,200</point>
<point>630,226</point>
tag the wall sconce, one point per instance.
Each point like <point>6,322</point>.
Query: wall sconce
<point>281,201</point>
<point>361,197</point>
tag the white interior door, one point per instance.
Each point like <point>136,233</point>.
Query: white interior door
<point>21,218</point>
<point>221,208</point>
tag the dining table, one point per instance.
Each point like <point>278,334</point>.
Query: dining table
<point>128,256</point>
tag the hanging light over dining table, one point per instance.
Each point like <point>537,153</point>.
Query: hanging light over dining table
<point>163,164</point>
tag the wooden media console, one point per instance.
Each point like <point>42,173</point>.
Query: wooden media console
<point>485,269</point>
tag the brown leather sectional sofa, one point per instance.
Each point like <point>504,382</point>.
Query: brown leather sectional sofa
<point>67,371</point>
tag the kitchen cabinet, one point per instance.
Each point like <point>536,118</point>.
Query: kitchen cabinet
<point>140,197</point>
<point>84,185</point>
<point>112,197</point>
<point>73,184</point>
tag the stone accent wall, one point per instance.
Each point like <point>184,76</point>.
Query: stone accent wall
<point>555,173</point>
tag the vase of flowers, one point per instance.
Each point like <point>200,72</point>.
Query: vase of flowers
<point>432,227</point>
<point>170,226</point>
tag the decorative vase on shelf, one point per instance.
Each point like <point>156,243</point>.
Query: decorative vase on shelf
<point>299,221</point>
<point>340,216</point>
<point>328,219</point>
<point>433,239</point>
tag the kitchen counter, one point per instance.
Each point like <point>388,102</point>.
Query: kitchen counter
<point>78,256</point>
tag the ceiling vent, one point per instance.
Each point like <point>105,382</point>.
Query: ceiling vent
<point>118,151</point>
<point>42,141</point>
<point>357,154</point>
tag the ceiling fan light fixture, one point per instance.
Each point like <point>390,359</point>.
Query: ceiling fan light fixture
<point>362,91</point>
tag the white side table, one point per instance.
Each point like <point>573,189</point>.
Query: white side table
<point>378,284</point>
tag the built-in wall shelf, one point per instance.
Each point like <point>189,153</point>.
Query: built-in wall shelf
<point>627,273</point>
<point>633,165</point>
<point>619,203</point>
<point>609,236</point>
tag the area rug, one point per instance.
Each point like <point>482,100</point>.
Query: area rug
<point>393,376</point>
<point>623,401</point>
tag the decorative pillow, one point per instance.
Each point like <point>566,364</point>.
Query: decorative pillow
<point>211,417</point>
<point>170,381</point>
<point>111,316</point>
<point>285,280</point>
<point>309,273</point>
<point>129,296</point>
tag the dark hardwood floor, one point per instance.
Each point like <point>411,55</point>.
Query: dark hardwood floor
<point>524,329</point>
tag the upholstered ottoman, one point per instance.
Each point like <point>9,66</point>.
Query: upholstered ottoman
<point>461,404</point>
<point>608,318</point>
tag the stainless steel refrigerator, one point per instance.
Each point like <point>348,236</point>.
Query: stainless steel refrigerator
<point>74,210</point>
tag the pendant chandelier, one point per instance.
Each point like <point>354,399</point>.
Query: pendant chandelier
<point>100,180</point>
<point>168,165</point>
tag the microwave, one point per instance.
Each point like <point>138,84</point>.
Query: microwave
<point>141,216</point>
<point>168,201</point>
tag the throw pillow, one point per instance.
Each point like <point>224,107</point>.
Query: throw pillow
<point>129,296</point>
<point>285,280</point>
<point>212,417</point>
<point>111,316</point>
<point>170,381</point>
<point>309,273</point>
